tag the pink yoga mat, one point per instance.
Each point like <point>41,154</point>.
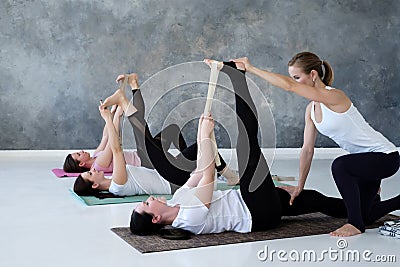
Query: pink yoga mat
<point>61,173</point>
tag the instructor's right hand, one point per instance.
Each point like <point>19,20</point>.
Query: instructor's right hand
<point>245,61</point>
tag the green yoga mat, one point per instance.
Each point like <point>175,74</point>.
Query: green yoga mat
<point>93,201</point>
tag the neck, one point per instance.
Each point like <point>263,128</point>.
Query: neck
<point>89,163</point>
<point>170,215</point>
<point>319,83</point>
<point>105,184</point>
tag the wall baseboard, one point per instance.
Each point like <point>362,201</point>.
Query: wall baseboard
<point>278,153</point>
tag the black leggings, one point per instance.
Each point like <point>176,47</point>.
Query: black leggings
<point>256,185</point>
<point>266,202</point>
<point>358,178</point>
<point>153,151</point>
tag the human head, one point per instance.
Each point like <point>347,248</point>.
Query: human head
<point>88,183</point>
<point>75,162</point>
<point>308,62</point>
<point>147,217</point>
<point>83,187</point>
<point>142,223</point>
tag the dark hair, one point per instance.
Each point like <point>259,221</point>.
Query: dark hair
<point>308,61</point>
<point>83,187</point>
<point>72,165</point>
<point>141,224</point>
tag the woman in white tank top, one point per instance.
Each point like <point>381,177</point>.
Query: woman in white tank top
<point>372,157</point>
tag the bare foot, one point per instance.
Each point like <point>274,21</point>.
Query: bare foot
<point>346,230</point>
<point>239,65</point>
<point>133,80</point>
<point>118,98</point>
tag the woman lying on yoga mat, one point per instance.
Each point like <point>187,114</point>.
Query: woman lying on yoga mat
<point>258,205</point>
<point>127,179</point>
<point>372,157</point>
<point>102,159</point>
<point>82,161</point>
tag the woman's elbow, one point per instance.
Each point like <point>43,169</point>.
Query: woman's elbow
<point>307,150</point>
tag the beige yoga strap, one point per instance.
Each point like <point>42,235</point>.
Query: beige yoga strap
<point>210,96</point>
<point>130,109</point>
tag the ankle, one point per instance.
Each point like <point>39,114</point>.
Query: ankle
<point>134,85</point>
<point>237,66</point>
<point>133,81</point>
<point>233,66</point>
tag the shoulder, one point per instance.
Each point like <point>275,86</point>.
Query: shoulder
<point>338,100</point>
<point>335,91</point>
<point>115,188</point>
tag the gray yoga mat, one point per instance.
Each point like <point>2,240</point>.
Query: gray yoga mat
<point>304,225</point>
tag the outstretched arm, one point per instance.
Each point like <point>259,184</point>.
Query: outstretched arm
<point>119,169</point>
<point>106,157</point>
<point>104,140</point>
<point>206,162</point>
<point>204,175</point>
<point>314,93</point>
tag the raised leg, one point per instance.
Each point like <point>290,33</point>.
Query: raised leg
<point>256,185</point>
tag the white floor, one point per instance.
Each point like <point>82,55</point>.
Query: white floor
<point>42,224</point>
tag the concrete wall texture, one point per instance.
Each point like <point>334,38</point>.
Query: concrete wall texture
<point>58,58</point>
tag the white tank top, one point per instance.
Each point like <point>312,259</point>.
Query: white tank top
<point>350,131</point>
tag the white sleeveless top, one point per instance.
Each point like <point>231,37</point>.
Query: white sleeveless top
<point>350,131</point>
<point>141,181</point>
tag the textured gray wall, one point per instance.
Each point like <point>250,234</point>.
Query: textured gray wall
<point>58,58</point>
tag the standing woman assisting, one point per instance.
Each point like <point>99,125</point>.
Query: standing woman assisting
<point>372,157</point>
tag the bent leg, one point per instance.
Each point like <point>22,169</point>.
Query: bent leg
<point>152,152</point>
<point>140,129</point>
<point>171,135</point>
<point>381,208</point>
<point>358,178</point>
